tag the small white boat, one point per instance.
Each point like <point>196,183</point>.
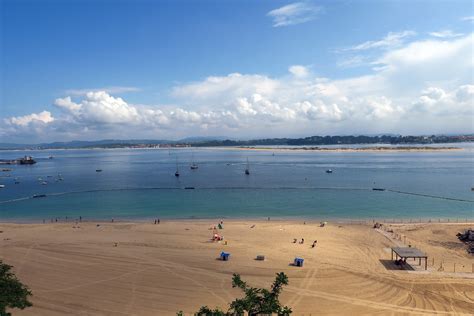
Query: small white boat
<point>44,183</point>
<point>194,166</point>
<point>329,171</point>
<point>2,186</point>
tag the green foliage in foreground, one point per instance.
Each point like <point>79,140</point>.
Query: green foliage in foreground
<point>13,294</point>
<point>255,302</point>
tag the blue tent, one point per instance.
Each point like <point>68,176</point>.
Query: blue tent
<point>298,262</point>
<point>225,256</point>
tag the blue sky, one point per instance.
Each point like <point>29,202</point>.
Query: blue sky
<point>168,69</point>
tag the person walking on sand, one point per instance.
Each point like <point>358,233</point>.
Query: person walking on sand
<point>314,244</point>
<point>302,241</point>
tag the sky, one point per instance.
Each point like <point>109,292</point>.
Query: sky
<point>97,69</point>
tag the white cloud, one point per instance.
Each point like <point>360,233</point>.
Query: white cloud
<point>435,101</point>
<point>44,117</point>
<point>294,13</point>
<point>232,85</point>
<point>468,18</point>
<point>100,107</point>
<point>445,34</point>
<point>425,86</point>
<point>391,40</point>
<point>298,71</point>
<point>352,61</point>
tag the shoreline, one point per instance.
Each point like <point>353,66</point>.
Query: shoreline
<point>354,150</point>
<point>260,219</point>
<point>297,148</point>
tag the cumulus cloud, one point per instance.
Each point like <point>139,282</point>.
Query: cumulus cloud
<point>44,117</point>
<point>424,86</point>
<point>294,13</point>
<point>438,102</point>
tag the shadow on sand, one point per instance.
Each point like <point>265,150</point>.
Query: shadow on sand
<point>390,265</point>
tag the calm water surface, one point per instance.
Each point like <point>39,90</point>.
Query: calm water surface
<point>140,184</point>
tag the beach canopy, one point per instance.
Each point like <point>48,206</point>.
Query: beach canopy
<point>410,252</point>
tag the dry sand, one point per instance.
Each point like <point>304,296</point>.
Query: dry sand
<point>161,269</point>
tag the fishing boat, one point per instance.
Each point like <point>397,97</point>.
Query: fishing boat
<point>194,166</point>
<point>247,168</point>
<point>329,171</point>
<point>98,170</point>
<point>176,174</point>
<point>378,189</point>
<point>2,186</point>
<point>39,196</point>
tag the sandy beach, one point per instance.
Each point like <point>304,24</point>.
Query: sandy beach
<point>146,269</point>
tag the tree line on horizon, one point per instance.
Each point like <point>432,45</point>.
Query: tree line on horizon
<point>339,140</point>
<point>206,142</point>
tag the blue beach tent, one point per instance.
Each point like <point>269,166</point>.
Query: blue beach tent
<point>298,262</point>
<point>225,256</point>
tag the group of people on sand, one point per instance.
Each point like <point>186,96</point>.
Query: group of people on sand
<point>302,242</point>
<point>157,221</point>
<point>401,262</point>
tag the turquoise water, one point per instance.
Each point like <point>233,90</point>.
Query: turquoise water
<point>140,184</point>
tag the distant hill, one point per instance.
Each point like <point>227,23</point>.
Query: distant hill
<point>83,144</point>
<point>220,141</point>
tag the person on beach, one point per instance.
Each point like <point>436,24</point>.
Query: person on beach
<point>302,241</point>
<point>294,240</point>
<point>155,222</point>
<point>314,244</point>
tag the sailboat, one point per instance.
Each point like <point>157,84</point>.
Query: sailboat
<point>176,174</point>
<point>194,166</point>
<point>247,169</point>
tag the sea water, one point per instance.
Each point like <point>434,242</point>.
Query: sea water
<point>141,184</point>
